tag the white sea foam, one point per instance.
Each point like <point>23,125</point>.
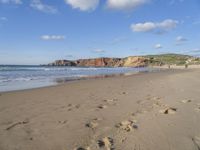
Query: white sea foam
<point>24,77</point>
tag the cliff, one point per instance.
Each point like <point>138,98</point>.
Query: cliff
<point>98,62</point>
<point>135,62</point>
<point>131,61</point>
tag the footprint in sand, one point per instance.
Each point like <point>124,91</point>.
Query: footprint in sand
<point>186,101</point>
<point>150,97</point>
<point>101,106</point>
<point>71,107</point>
<point>81,148</point>
<point>77,106</point>
<point>127,125</point>
<point>124,93</point>
<point>111,101</point>
<point>169,110</point>
<point>62,121</point>
<point>107,143</point>
<point>140,102</point>
<point>196,141</point>
<point>92,124</point>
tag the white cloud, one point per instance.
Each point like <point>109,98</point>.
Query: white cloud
<point>83,5</point>
<point>37,4</point>
<point>125,4</point>
<point>3,19</point>
<point>180,39</point>
<point>165,25</point>
<point>172,2</point>
<point>143,27</point>
<point>158,46</point>
<point>53,37</point>
<point>11,1</point>
<point>99,51</point>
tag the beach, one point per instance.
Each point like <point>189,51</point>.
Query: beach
<point>145,111</point>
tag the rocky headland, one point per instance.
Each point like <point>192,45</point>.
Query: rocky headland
<point>131,61</point>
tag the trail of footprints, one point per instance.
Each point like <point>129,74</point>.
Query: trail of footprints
<point>107,143</point>
<point>129,125</point>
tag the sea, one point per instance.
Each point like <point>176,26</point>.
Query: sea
<point>20,77</point>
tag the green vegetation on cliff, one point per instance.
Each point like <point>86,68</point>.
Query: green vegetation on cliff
<point>169,59</point>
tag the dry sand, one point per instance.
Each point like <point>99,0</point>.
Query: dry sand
<point>152,111</point>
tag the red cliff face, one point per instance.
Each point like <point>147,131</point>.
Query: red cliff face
<point>98,62</point>
<point>104,62</point>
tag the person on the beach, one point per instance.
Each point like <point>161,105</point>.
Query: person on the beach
<point>186,66</point>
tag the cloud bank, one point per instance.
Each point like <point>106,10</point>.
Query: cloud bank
<point>165,25</point>
<point>125,4</point>
<point>52,37</point>
<point>11,1</point>
<point>83,5</point>
<point>38,5</point>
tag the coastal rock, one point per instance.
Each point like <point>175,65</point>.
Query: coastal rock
<point>98,62</point>
<point>134,61</point>
<point>62,63</point>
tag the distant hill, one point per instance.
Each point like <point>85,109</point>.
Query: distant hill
<point>169,59</point>
<point>131,61</point>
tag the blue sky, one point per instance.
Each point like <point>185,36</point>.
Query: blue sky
<point>41,31</point>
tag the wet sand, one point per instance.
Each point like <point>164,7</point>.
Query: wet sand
<point>147,111</point>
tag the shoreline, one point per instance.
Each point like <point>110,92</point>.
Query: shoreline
<point>61,82</point>
<point>64,80</point>
<point>32,77</point>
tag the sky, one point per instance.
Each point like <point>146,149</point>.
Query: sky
<point>41,31</point>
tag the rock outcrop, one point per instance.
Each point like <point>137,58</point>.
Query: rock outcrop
<point>98,62</point>
<point>131,61</point>
<point>62,63</point>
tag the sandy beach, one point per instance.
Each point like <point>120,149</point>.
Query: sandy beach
<point>147,111</point>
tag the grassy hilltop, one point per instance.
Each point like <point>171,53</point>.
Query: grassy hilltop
<point>172,59</point>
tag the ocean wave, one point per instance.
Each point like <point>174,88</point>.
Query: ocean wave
<point>14,68</point>
<point>26,79</point>
<point>40,75</point>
